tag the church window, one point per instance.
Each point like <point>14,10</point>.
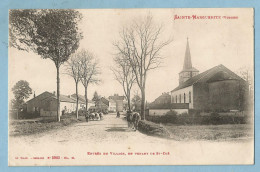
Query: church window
<point>189,97</point>
<point>184,98</point>
<point>176,99</point>
<point>180,98</point>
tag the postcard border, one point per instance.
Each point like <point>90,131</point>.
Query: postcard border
<point>79,4</point>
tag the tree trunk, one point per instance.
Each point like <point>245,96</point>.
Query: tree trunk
<point>129,102</point>
<point>143,104</point>
<point>77,101</point>
<point>86,97</point>
<point>58,93</point>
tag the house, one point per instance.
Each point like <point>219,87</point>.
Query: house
<point>45,104</point>
<point>102,104</point>
<point>217,89</point>
<point>82,99</point>
<point>119,101</point>
<point>49,105</point>
<point>35,104</point>
<point>112,105</point>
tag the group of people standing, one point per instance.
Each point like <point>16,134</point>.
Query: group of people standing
<point>93,116</point>
<point>132,118</point>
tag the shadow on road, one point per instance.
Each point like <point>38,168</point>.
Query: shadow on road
<point>89,124</point>
<point>117,129</point>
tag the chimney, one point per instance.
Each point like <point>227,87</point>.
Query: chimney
<point>54,93</point>
<point>34,94</point>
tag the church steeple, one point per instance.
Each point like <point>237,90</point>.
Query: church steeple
<point>187,59</point>
<point>188,71</point>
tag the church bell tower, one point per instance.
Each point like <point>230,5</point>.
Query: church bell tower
<point>188,71</point>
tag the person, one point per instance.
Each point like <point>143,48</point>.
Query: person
<point>129,118</point>
<point>118,114</point>
<point>86,116</point>
<point>100,115</point>
<point>97,116</point>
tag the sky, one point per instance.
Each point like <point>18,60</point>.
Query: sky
<point>212,42</point>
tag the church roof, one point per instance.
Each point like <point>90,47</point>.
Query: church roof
<point>187,65</point>
<point>187,59</point>
<point>210,75</point>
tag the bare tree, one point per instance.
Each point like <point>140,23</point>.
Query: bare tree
<point>73,68</point>
<point>89,71</point>
<point>141,46</point>
<point>247,74</point>
<point>125,76</point>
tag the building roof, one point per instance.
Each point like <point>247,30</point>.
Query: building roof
<point>163,96</point>
<point>187,59</point>
<point>116,97</point>
<point>64,98</point>
<point>41,96</point>
<point>104,101</point>
<point>81,98</point>
<point>111,101</point>
<point>207,76</point>
<point>187,65</point>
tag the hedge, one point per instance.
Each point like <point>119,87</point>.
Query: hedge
<point>183,119</point>
<point>153,129</point>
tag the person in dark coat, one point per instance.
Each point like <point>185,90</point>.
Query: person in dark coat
<point>118,114</point>
<point>129,118</point>
<point>86,116</point>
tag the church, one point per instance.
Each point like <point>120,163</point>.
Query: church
<point>217,89</point>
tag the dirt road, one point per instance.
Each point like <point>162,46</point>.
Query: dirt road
<point>85,141</point>
<point>110,129</point>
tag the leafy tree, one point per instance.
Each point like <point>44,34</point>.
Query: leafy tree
<point>53,34</point>
<point>96,97</point>
<point>21,91</point>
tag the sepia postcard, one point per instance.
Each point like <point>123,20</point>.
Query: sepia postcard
<point>90,87</point>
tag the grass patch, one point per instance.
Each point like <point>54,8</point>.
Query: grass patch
<point>27,127</point>
<point>229,132</point>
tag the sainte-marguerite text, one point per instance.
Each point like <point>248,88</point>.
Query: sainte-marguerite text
<point>195,17</point>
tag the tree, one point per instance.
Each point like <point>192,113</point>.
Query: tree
<point>73,68</point>
<point>246,73</point>
<point>136,101</point>
<point>141,47</point>
<point>125,76</point>
<point>53,34</point>
<point>96,97</point>
<point>89,71</point>
<point>21,91</point>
